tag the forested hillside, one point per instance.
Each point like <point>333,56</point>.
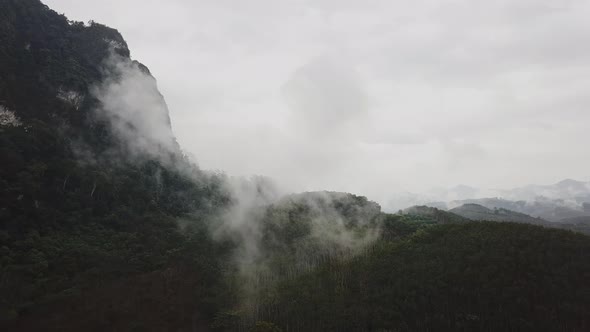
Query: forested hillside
<point>435,214</point>
<point>479,212</point>
<point>456,277</point>
<point>76,210</point>
<point>105,225</point>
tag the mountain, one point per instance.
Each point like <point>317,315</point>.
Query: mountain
<point>576,220</point>
<point>567,190</point>
<point>105,225</point>
<point>578,224</point>
<point>92,182</point>
<point>79,81</point>
<point>437,215</point>
<point>544,208</point>
<point>564,199</point>
<point>479,212</point>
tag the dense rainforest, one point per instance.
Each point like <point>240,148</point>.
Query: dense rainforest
<point>105,225</point>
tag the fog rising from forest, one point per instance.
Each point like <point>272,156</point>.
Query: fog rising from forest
<point>371,97</point>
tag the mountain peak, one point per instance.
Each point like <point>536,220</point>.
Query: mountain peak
<point>79,80</point>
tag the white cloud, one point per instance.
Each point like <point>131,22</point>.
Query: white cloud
<point>130,101</point>
<point>489,93</point>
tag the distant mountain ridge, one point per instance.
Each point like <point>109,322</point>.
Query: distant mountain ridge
<point>438,215</point>
<point>479,212</point>
<point>567,190</point>
<point>555,202</point>
<point>470,212</point>
<point>553,210</point>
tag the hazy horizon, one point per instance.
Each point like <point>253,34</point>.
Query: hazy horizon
<point>378,99</point>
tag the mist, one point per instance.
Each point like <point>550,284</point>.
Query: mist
<point>380,100</point>
<point>294,166</point>
<point>136,111</point>
<point>260,212</point>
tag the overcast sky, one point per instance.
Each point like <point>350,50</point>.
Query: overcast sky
<point>370,97</point>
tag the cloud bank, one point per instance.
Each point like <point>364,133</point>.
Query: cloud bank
<point>373,97</point>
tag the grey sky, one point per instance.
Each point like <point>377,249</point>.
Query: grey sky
<point>370,97</point>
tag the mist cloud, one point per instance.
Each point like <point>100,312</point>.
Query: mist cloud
<point>407,96</point>
<point>136,111</point>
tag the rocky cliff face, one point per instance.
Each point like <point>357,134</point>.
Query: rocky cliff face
<point>79,79</point>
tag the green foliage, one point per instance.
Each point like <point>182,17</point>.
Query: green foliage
<point>479,212</point>
<point>91,240</point>
<point>262,326</point>
<point>227,320</point>
<point>435,215</point>
<point>75,213</point>
<point>471,277</point>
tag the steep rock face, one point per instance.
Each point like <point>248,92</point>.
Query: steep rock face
<point>43,53</point>
<point>76,113</point>
<point>79,79</point>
